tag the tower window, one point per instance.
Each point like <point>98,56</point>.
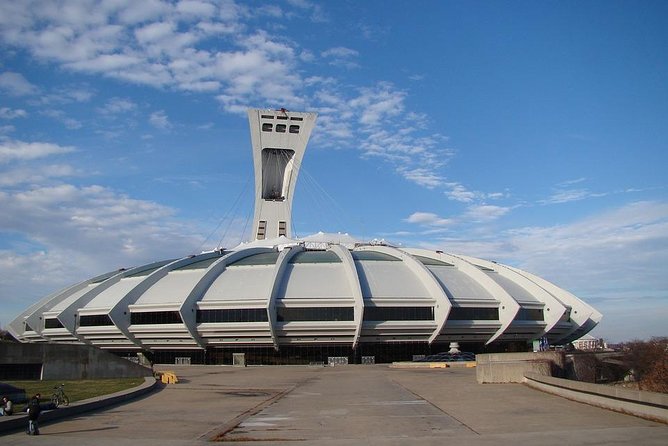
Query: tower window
<point>267,127</point>
<point>294,129</point>
<point>261,229</point>
<point>281,228</point>
<point>280,128</point>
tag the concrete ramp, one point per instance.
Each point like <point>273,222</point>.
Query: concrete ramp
<point>64,361</point>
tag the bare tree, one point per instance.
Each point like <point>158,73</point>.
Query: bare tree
<point>648,361</point>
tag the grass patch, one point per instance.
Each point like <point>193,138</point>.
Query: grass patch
<point>77,390</point>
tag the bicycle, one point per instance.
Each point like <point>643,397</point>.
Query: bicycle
<point>59,396</point>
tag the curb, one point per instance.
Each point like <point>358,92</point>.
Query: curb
<point>648,405</point>
<point>20,421</point>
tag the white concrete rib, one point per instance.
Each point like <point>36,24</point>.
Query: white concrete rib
<point>508,308</point>
<point>355,289</point>
<point>272,293</point>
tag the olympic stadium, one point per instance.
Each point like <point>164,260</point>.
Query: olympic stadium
<point>283,300</point>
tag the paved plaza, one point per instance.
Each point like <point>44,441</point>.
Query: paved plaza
<point>371,405</point>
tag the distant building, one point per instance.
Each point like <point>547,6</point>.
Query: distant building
<point>588,342</point>
<point>279,299</point>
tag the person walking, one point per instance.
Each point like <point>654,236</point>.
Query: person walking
<point>34,410</point>
<point>7,407</point>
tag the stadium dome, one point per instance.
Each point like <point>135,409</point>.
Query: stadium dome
<point>279,299</point>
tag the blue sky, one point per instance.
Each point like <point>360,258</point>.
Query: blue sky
<point>530,133</point>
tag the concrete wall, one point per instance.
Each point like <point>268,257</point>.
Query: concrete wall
<point>511,367</point>
<point>67,361</point>
<point>650,405</point>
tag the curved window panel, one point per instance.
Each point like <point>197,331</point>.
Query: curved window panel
<point>314,314</point>
<point>155,317</point>
<point>379,314</point>
<point>232,315</point>
<point>265,258</point>
<point>95,320</point>
<point>530,314</point>
<point>315,257</point>
<point>52,323</point>
<point>473,314</point>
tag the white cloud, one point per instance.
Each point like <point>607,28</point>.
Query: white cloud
<point>421,176</point>
<point>274,11</point>
<point>263,70</point>
<point>458,192</point>
<point>429,219</point>
<point>565,193</point>
<point>318,15</point>
<point>195,9</point>
<point>379,103</point>
<point>64,95</point>
<point>566,196</point>
<point>13,150</point>
<point>118,105</point>
<point>159,120</point>
<point>340,52</point>
<point>216,48</point>
<point>71,233</point>
<point>614,260</point>
<point>35,174</point>
<point>60,116</point>
<point>16,85</point>
<point>333,129</point>
<point>157,44</point>
<point>304,4</point>
<point>341,56</point>
<point>154,32</point>
<point>485,212</point>
<point>571,182</point>
<point>376,117</point>
<point>8,113</point>
<point>133,12</point>
<point>496,195</point>
<point>91,212</point>
<point>106,63</point>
